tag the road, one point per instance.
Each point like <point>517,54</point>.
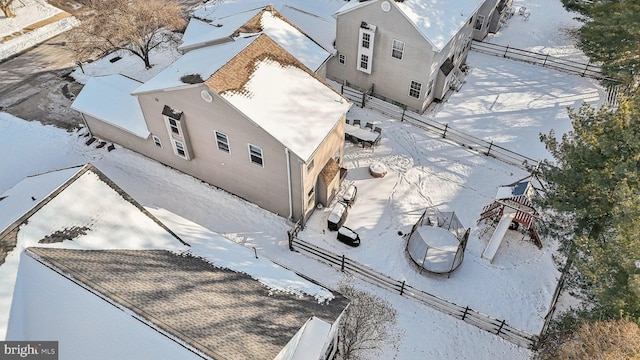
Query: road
<point>35,85</point>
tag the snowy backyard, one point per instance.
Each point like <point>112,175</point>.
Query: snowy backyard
<point>507,102</point>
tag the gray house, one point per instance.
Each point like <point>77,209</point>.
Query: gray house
<point>408,51</point>
<point>489,17</point>
<point>244,115</point>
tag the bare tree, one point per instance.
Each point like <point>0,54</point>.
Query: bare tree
<point>5,6</point>
<point>134,26</point>
<point>367,326</point>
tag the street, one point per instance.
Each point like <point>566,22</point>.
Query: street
<point>35,85</point>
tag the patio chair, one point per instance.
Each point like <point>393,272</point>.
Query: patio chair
<point>348,121</point>
<point>378,130</point>
<point>522,10</point>
<point>369,126</point>
<point>356,122</point>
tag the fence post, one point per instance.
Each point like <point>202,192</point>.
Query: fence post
<point>506,50</point>
<point>500,328</point>
<point>342,264</point>
<point>585,68</point>
<point>362,102</point>
<point>402,287</point>
<point>402,116</point>
<point>466,311</point>
<point>342,89</point>
<point>545,60</point>
<point>290,236</point>
<point>490,146</point>
<point>444,134</point>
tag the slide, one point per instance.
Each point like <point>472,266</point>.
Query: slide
<point>494,243</point>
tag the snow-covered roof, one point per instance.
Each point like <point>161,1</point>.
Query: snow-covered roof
<point>109,99</point>
<point>314,18</point>
<point>291,39</point>
<point>204,62</point>
<point>29,193</point>
<point>437,20</point>
<point>269,21</point>
<point>282,97</point>
<point>200,302</point>
<point>200,32</point>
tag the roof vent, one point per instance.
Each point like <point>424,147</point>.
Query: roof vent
<point>192,79</point>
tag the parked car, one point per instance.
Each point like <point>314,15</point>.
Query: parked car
<point>337,217</point>
<point>349,196</point>
<point>348,236</point>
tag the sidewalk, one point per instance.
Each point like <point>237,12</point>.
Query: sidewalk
<point>36,33</point>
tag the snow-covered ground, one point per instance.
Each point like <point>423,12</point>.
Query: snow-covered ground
<point>27,12</point>
<point>505,101</point>
<point>19,33</point>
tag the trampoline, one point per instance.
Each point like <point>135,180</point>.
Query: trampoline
<point>437,242</point>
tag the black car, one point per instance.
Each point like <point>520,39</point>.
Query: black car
<point>348,236</point>
<point>337,217</point>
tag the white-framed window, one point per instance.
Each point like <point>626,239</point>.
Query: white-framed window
<point>342,59</point>
<point>311,165</point>
<point>364,62</point>
<point>311,197</point>
<point>397,49</point>
<point>174,126</point>
<point>178,147</point>
<point>156,140</point>
<point>365,47</point>
<point>366,40</point>
<point>222,140</point>
<point>479,22</point>
<point>255,154</point>
<point>414,89</point>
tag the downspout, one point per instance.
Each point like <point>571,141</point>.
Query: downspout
<point>286,152</point>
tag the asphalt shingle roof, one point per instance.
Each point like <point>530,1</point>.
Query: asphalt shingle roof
<point>220,312</point>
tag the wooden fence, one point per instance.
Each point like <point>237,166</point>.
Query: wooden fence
<point>573,67</point>
<point>487,148</point>
<point>464,313</point>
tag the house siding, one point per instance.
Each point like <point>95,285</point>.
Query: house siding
<point>390,77</point>
<point>266,186</point>
<point>332,144</point>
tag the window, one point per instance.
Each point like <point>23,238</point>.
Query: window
<point>310,165</point>
<point>174,126</point>
<point>178,146</point>
<point>479,22</point>
<point>172,117</point>
<point>365,47</point>
<point>223,141</point>
<point>342,59</point>
<point>364,62</point>
<point>311,197</point>
<point>156,140</point>
<point>414,89</point>
<point>397,49</point>
<point>255,153</point>
<point>366,40</point>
